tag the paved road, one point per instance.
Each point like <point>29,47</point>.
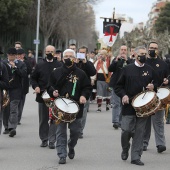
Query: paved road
<point>99,149</point>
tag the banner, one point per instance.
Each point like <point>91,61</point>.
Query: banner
<point>110,31</point>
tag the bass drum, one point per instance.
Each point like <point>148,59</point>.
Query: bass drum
<point>146,103</point>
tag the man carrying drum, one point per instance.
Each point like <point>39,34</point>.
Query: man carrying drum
<point>134,79</point>
<point>39,78</point>
<point>70,82</point>
<point>161,69</point>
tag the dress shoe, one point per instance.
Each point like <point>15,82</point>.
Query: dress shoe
<point>81,136</point>
<point>124,155</point>
<point>137,162</point>
<point>19,123</point>
<point>62,161</point>
<point>51,145</point>
<point>12,133</point>
<point>98,110</point>
<point>116,125</point>
<point>161,148</point>
<point>6,131</point>
<point>44,144</point>
<point>144,148</point>
<point>71,153</point>
<point>107,108</point>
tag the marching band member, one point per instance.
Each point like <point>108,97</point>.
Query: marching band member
<point>102,77</point>
<point>4,84</point>
<point>116,67</point>
<point>161,69</point>
<point>39,81</point>
<point>17,70</point>
<point>134,78</point>
<point>72,82</point>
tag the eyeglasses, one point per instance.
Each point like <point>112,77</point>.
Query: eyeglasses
<point>153,48</point>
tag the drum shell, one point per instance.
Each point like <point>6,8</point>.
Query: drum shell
<point>62,115</point>
<point>148,109</point>
<point>165,100</point>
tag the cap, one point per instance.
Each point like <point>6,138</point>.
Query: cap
<point>12,50</point>
<point>58,51</point>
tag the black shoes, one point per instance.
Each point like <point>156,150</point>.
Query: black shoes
<point>62,161</point>
<point>161,148</point>
<point>116,125</point>
<point>107,108</point>
<point>81,136</point>
<point>6,131</point>
<point>44,144</point>
<point>137,162</point>
<point>51,145</point>
<point>144,148</point>
<point>124,155</point>
<point>71,153</point>
<point>19,123</point>
<point>98,110</point>
<point>12,133</point>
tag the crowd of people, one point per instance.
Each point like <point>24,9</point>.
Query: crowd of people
<point>84,77</point>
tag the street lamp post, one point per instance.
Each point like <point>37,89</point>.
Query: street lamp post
<point>37,32</point>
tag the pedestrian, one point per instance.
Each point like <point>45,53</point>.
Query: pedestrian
<point>134,78</point>
<point>73,83</point>
<point>162,71</point>
<point>39,81</point>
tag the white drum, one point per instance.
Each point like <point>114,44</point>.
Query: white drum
<point>164,95</point>
<point>47,99</point>
<point>146,103</point>
<point>65,109</point>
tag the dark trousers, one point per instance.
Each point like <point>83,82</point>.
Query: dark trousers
<point>6,113</point>
<point>46,131</point>
<point>61,136</point>
<point>133,126</point>
<point>21,106</point>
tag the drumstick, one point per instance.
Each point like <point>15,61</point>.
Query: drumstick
<point>146,91</point>
<point>59,96</point>
<point>164,81</point>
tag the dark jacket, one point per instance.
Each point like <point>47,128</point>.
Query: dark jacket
<point>87,67</point>
<point>15,78</point>
<point>41,75</point>
<point>116,68</point>
<point>61,79</point>
<point>25,80</point>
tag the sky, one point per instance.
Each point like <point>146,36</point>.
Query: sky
<point>136,9</point>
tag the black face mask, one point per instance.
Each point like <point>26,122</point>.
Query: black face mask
<point>152,53</point>
<point>49,56</point>
<point>68,62</point>
<point>142,58</point>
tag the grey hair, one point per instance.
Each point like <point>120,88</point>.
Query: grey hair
<point>139,48</point>
<point>69,50</point>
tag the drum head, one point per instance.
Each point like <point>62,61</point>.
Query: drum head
<point>70,107</point>
<point>141,101</point>
<point>45,95</point>
<point>162,93</point>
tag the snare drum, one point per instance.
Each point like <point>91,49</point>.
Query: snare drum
<point>65,110</point>
<point>164,95</point>
<point>146,104</point>
<point>47,99</point>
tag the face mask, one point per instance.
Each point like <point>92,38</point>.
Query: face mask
<point>152,53</point>
<point>68,62</point>
<point>49,56</point>
<point>142,58</point>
